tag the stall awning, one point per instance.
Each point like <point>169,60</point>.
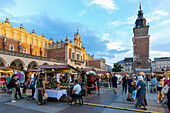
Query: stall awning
<point>56,67</point>
<point>158,71</point>
<point>85,70</point>
<point>102,72</point>
<point>6,70</point>
<point>118,73</point>
<point>166,68</point>
<point>34,70</point>
<point>143,70</point>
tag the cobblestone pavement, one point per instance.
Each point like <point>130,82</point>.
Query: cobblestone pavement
<point>106,98</point>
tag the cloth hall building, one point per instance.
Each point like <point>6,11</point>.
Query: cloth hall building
<point>22,50</point>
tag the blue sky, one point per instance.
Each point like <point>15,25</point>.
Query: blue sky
<point>105,26</point>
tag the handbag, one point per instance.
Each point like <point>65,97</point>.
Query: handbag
<point>45,95</point>
<point>28,92</point>
<point>165,89</point>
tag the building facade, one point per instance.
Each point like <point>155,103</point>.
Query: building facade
<point>127,64</point>
<point>26,50</point>
<point>141,43</point>
<point>159,63</point>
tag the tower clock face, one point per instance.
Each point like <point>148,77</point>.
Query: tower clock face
<point>140,31</point>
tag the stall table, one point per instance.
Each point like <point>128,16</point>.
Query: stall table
<point>55,93</point>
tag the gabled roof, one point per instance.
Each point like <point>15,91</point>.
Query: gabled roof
<point>162,59</point>
<point>120,62</point>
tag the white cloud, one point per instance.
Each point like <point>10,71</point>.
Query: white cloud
<point>115,45</point>
<point>82,12</point>
<point>159,54</point>
<point>130,20</point>
<point>106,4</point>
<point>151,17</point>
<point>156,15</point>
<point>105,37</point>
<point>115,23</point>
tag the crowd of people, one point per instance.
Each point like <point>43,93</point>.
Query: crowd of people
<point>34,84</point>
<point>136,85</point>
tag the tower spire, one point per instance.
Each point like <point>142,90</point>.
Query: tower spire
<point>140,6</point>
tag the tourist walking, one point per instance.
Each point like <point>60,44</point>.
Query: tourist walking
<point>167,82</point>
<point>124,84</point>
<point>98,85</point>
<point>114,83</point>
<point>18,89</point>
<point>41,90</point>
<point>141,87</point>
<point>14,84</point>
<point>154,81</point>
<point>130,88</point>
<point>160,85</point>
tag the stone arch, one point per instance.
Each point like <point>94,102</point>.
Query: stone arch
<point>17,64</point>
<point>32,65</point>
<point>45,63</point>
<point>2,62</point>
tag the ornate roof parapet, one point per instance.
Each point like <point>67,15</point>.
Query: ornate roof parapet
<point>83,46</point>
<point>66,41</point>
<point>70,41</point>
<point>42,34</point>
<point>80,38</point>
<point>61,41</point>
<point>57,42</point>
<point>33,31</point>
<point>7,20</point>
<point>21,26</point>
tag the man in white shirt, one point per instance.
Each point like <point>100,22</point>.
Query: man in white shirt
<point>76,90</point>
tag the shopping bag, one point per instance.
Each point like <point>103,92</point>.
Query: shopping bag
<point>45,95</point>
<point>165,89</point>
<point>28,92</point>
<point>134,94</point>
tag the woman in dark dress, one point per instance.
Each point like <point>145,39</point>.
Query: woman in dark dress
<point>41,90</point>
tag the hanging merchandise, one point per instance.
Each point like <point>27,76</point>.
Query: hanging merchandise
<point>21,76</point>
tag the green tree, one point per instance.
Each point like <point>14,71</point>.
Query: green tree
<point>117,68</point>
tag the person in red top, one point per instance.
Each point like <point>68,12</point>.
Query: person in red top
<point>168,94</point>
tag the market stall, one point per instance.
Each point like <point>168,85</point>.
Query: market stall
<point>105,78</point>
<point>5,74</point>
<point>88,81</point>
<point>58,79</point>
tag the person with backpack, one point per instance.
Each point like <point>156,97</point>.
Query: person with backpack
<point>124,84</point>
<point>18,89</point>
<point>13,84</point>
